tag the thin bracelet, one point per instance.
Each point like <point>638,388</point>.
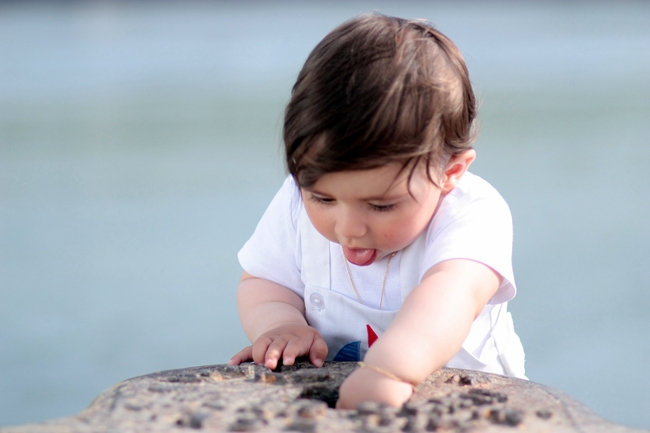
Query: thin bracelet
<point>385,373</point>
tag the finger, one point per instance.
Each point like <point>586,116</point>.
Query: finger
<point>318,351</point>
<point>260,347</point>
<point>275,352</point>
<point>295,347</point>
<point>340,404</point>
<point>246,354</point>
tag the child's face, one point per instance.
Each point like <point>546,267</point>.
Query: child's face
<point>370,213</point>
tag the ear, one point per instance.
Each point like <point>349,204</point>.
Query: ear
<point>456,167</point>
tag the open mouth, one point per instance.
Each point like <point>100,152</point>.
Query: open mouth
<point>360,256</point>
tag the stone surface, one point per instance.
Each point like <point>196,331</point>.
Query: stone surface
<point>251,398</point>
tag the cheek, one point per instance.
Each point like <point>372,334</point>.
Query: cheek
<point>320,221</point>
<point>401,233</point>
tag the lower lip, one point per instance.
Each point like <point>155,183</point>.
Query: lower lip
<point>353,252</point>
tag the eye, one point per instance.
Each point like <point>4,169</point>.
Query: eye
<point>382,207</point>
<point>321,200</point>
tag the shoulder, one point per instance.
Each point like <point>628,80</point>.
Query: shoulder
<point>473,188</point>
<point>287,203</point>
<point>472,198</point>
<point>473,222</point>
<point>296,198</point>
<point>272,252</point>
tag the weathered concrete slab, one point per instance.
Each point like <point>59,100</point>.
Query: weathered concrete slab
<point>220,398</point>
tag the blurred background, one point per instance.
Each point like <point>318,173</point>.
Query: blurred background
<point>139,145</point>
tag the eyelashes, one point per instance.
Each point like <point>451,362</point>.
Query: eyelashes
<point>320,200</point>
<point>383,207</point>
<point>328,201</point>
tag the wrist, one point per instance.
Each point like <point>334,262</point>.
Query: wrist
<point>278,327</point>
<point>386,373</point>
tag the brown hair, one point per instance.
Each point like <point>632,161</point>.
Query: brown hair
<point>377,90</point>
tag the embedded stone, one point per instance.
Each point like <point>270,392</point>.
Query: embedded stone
<point>301,397</point>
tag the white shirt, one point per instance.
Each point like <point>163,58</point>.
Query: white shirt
<point>473,222</point>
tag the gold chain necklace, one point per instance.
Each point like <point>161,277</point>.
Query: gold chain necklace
<point>383,284</point>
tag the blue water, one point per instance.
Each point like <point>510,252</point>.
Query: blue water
<point>139,145</point>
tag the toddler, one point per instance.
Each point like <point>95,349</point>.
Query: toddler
<point>380,246</point>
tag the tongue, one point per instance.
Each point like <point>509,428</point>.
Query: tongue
<point>360,256</point>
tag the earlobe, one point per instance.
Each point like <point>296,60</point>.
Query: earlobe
<point>456,167</point>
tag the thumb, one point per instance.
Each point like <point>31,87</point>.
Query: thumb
<point>246,354</point>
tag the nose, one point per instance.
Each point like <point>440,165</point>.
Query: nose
<point>350,225</point>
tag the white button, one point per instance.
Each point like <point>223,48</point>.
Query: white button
<point>317,301</point>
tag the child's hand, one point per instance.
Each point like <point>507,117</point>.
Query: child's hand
<point>287,342</point>
<point>367,385</point>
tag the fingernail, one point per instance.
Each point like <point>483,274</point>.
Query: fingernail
<point>318,362</point>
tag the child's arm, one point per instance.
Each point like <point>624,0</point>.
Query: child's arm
<point>273,318</point>
<point>428,330</point>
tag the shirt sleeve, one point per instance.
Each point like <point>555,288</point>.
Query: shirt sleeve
<point>271,252</point>
<point>474,222</point>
